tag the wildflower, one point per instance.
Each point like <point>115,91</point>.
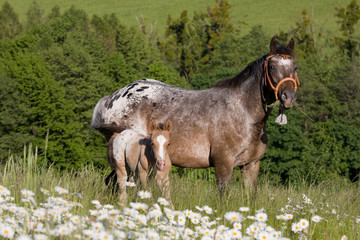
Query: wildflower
<point>40,237</point>
<point>244,209</point>
<point>44,191</point>
<point>144,194</point>
<point>119,234</point>
<point>208,209</point>
<point>237,225</point>
<point>289,216</point>
<point>261,217</point>
<point>108,206</point>
<point>4,191</point>
<point>280,217</point>
<point>304,223</point>
<point>104,235</point>
<point>295,227</point>
<point>233,216</point>
<point>344,237</point>
<point>195,220</point>
<point>63,230</point>
<point>6,231</point>
<point>163,201</point>
<point>75,219</point>
<point>316,218</point>
<point>263,236</point>
<point>139,206</point>
<point>61,190</point>
<point>307,200</point>
<point>23,237</point>
<point>252,229</point>
<point>130,184</point>
<point>188,213</point>
<point>181,220</point>
<point>27,193</point>
<point>234,234</point>
<point>188,232</point>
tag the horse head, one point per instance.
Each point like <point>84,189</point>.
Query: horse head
<point>160,141</point>
<point>280,72</point>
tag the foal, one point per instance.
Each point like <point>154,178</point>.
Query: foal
<point>132,153</point>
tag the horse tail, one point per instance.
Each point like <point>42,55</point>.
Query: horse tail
<point>96,120</point>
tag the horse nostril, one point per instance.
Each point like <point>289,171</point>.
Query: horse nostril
<point>284,96</point>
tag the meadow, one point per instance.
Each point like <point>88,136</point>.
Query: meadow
<point>38,202</point>
<point>244,13</point>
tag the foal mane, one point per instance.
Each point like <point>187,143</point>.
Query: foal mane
<point>253,70</point>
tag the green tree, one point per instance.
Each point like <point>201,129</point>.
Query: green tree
<point>34,16</point>
<point>348,18</point>
<point>191,42</point>
<point>10,25</point>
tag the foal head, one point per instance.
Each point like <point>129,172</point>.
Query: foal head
<point>160,141</point>
<point>280,73</point>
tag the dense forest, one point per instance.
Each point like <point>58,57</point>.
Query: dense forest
<point>54,69</point>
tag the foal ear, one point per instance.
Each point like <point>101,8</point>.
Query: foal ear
<point>152,125</point>
<point>291,44</point>
<point>168,125</point>
<point>273,44</point>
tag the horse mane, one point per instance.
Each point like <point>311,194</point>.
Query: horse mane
<point>254,69</point>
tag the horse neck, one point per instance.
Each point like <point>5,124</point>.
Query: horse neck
<point>251,94</point>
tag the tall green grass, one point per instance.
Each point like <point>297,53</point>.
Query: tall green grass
<point>337,201</point>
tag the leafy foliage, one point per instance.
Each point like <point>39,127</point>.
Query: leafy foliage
<point>54,69</point>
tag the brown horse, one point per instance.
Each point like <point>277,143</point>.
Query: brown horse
<point>132,153</point>
<point>221,127</point>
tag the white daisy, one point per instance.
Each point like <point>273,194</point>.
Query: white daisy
<point>162,201</point>
<point>316,218</point>
<point>244,209</point>
<point>61,190</point>
<point>261,217</point>
<point>304,223</point>
<point>295,227</point>
<point>144,194</point>
<point>233,216</point>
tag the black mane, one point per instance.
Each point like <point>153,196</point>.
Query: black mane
<point>254,69</point>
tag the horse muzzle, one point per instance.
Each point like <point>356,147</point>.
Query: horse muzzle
<point>160,165</point>
<point>287,98</point>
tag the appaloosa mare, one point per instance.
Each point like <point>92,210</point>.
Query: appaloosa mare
<point>221,127</point>
<point>132,153</point>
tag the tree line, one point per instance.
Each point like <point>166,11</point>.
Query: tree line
<point>54,68</point>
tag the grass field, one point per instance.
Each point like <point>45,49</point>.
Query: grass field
<point>328,211</point>
<point>273,15</point>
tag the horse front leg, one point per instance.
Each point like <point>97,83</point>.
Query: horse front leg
<point>250,174</point>
<point>163,182</point>
<point>223,172</point>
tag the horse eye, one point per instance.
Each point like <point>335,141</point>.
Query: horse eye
<point>295,68</point>
<point>168,144</point>
<point>272,67</point>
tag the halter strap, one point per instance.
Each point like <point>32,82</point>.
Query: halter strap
<point>267,77</point>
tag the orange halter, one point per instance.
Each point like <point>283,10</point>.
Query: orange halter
<point>267,77</point>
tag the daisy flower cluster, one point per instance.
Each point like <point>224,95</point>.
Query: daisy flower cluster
<point>56,218</point>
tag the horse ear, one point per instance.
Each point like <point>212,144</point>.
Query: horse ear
<point>291,44</point>
<point>168,125</point>
<point>273,44</point>
<point>152,125</point>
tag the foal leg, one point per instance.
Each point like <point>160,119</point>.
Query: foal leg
<point>163,182</point>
